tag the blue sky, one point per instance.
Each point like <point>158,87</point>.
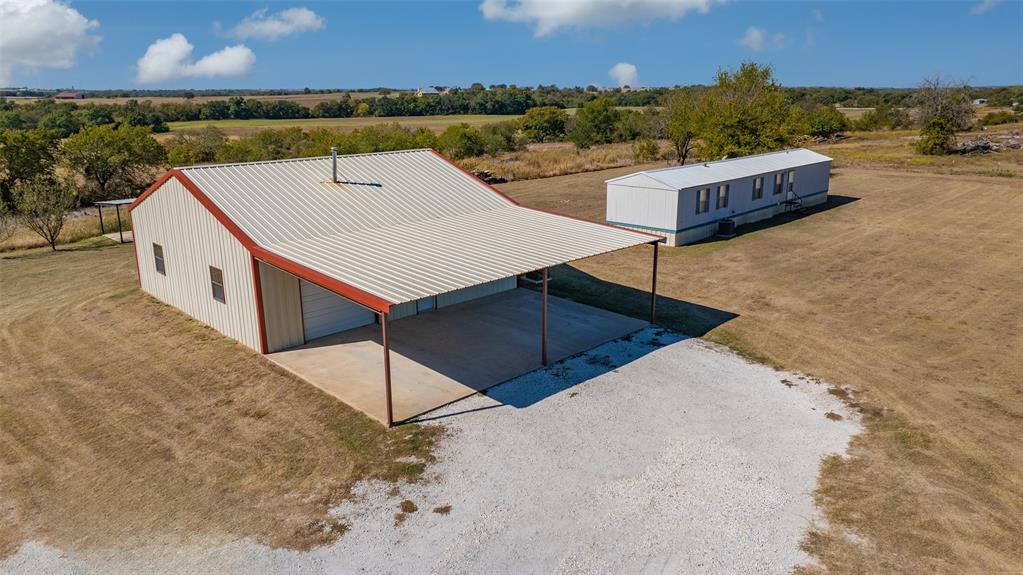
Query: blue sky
<point>96,45</point>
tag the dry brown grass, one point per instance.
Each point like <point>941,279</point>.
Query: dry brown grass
<point>909,298</point>
<point>123,422</point>
<point>548,160</point>
<point>77,228</point>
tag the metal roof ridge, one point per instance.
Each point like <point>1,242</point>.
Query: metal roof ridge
<point>296,160</point>
<point>713,163</point>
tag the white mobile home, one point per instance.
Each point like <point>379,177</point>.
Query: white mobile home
<point>686,203</point>
<point>276,254</point>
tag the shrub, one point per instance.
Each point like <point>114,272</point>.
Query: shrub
<point>824,121</point>
<point>544,124</point>
<point>884,117</point>
<point>937,138</point>
<point>461,141</point>
<point>996,118</point>
<point>645,150</point>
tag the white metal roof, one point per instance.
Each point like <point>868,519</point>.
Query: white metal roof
<point>696,175</point>
<point>400,226</point>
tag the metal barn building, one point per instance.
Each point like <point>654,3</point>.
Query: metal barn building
<point>277,254</point>
<point>686,203</point>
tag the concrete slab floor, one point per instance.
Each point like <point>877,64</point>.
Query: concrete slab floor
<point>445,355</point>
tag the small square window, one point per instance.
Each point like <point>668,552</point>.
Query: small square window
<point>217,283</point>
<point>161,265</point>
<point>723,196</point>
<point>758,188</point>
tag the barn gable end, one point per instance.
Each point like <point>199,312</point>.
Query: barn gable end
<point>193,240</point>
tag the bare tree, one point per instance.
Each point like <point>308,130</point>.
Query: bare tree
<point>938,99</point>
<point>42,204</point>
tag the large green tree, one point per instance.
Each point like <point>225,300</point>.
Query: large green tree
<point>544,124</point>
<point>24,154</point>
<point>746,112</point>
<point>685,122</point>
<point>43,203</point>
<point>113,161</point>
<point>596,122</point>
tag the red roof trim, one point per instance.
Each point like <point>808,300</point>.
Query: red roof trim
<point>353,293</point>
<point>505,196</point>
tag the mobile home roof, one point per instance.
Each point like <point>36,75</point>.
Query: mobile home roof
<point>399,225</point>
<point>708,173</point>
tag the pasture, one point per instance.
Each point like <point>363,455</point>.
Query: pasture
<point>242,127</point>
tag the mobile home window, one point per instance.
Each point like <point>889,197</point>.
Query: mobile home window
<point>723,196</point>
<point>217,283</point>
<point>792,180</point>
<point>777,183</point>
<point>703,200</point>
<point>161,266</point>
<point>758,188</point>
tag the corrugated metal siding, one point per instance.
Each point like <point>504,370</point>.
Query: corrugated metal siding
<point>407,262</point>
<point>193,240</point>
<point>656,208</point>
<point>476,292</point>
<point>325,312</point>
<point>698,175</point>
<point>282,308</point>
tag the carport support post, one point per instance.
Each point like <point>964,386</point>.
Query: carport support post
<point>99,209</point>
<point>387,368</point>
<point>120,230</point>
<point>653,287</point>
<point>543,322</point>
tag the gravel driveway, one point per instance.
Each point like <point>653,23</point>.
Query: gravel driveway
<point>654,454</point>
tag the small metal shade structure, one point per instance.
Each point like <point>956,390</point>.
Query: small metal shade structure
<point>117,206</point>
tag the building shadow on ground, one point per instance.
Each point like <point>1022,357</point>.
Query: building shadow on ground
<point>834,201</point>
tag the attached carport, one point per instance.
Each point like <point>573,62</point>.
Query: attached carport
<point>452,351</point>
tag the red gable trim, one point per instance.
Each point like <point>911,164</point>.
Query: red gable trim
<point>505,196</point>
<point>351,292</point>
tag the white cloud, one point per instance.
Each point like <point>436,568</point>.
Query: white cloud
<point>624,74</point>
<point>984,6</point>
<point>817,14</point>
<point>170,59</point>
<point>758,40</point>
<point>275,26</point>
<point>549,16</point>
<point>41,34</point>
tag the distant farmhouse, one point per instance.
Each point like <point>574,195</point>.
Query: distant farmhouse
<point>689,203</point>
<point>69,96</point>
<point>979,101</point>
<point>427,91</point>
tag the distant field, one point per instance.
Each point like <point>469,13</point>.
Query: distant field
<point>435,123</point>
<point>304,99</point>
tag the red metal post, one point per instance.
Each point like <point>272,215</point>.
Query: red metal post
<point>387,368</point>
<point>653,288</point>
<point>543,322</point>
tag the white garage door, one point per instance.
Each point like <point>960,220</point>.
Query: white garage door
<point>325,312</point>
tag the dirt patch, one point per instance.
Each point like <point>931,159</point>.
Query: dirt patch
<point>124,422</point>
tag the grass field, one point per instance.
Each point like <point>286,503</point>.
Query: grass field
<point>122,420</point>
<point>123,423</point>
<point>435,123</point>
<point>905,293</point>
